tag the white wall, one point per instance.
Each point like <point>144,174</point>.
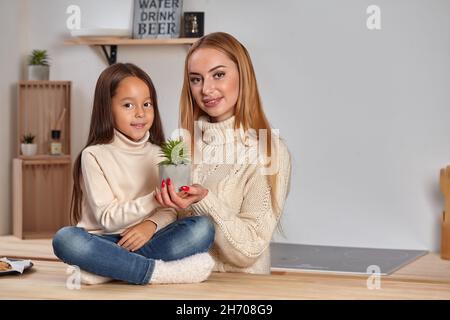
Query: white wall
<point>13,39</point>
<point>364,113</point>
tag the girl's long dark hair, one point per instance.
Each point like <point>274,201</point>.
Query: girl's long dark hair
<point>101,130</point>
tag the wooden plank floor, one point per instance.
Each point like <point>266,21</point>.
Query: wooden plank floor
<point>426,278</point>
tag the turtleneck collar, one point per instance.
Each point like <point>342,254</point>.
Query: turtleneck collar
<point>217,133</point>
<point>123,142</point>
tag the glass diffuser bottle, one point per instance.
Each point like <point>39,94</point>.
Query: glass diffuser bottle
<point>55,144</point>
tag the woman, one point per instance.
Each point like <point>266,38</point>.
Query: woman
<point>233,184</point>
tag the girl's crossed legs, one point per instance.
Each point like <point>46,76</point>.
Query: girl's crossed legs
<point>101,255</point>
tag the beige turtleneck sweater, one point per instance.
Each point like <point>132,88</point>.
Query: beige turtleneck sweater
<point>239,200</point>
<point>118,183</point>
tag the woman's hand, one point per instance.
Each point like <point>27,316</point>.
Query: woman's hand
<point>135,237</point>
<point>167,197</point>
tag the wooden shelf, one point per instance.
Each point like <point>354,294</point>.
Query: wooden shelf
<point>45,159</point>
<point>108,41</point>
<point>113,42</point>
<point>41,184</point>
<point>29,83</point>
<point>40,104</point>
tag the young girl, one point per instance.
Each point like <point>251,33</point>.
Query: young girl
<point>245,199</point>
<point>122,232</point>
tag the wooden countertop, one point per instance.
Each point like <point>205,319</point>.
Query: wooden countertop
<point>426,278</point>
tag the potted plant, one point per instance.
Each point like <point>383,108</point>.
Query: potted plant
<point>38,65</point>
<point>27,147</point>
<point>176,164</point>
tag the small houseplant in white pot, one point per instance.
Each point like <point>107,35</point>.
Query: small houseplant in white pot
<point>176,164</point>
<point>27,147</point>
<point>38,65</point>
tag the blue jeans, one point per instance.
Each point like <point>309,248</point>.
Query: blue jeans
<point>101,255</point>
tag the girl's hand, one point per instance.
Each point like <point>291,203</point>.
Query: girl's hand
<point>135,237</point>
<point>179,201</point>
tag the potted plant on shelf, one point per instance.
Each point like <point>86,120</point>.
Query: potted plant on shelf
<point>176,164</point>
<point>27,147</point>
<point>38,65</point>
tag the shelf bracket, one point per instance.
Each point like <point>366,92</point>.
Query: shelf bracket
<point>112,56</point>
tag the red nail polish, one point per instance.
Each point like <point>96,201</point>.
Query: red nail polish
<point>163,184</point>
<point>168,181</point>
<point>185,188</point>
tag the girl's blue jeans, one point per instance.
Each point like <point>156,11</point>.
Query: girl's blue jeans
<point>101,255</point>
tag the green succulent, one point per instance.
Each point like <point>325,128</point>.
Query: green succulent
<point>28,138</point>
<point>38,58</point>
<point>174,152</point>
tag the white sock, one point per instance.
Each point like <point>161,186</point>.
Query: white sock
<point>84,277</point>
<point>91,278</point>
<point>192,269</point>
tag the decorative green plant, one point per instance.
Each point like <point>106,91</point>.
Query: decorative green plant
<point>28,138</point>
<point>174,152</point>
<point>39,58</point>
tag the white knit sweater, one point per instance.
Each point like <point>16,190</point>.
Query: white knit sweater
<point>238,201</point>
<point>118,183</point>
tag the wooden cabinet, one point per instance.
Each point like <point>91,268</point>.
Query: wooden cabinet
<point>42,182</point>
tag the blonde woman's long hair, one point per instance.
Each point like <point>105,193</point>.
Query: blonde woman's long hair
<point>249,112</point>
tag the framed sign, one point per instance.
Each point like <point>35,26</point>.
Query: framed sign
<point>157,18</point>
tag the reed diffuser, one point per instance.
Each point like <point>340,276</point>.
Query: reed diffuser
<point>55,144</point>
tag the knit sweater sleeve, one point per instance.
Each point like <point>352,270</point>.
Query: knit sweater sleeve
<point>244,233</point>
<point>162,217</point>
<point>109,212</point>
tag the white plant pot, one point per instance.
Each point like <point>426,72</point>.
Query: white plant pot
<point>37,72</point>
<point>179,175</point>
<point>28,149</point>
